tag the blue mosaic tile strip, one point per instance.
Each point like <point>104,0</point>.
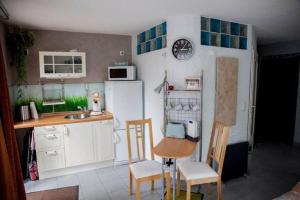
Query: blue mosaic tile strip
<point>164,28</point>
<point>225,41</point>
<point>235,28</point>
<point>152,33</point>
<point>142,37</point>
<point>205,38</point>
<point>215,25</point>
<point>219,33</point>
<point>158,43</point>
<point>153,39</point>
<point>243,43</point>
<point>138,49</point>
<point>147,46</point>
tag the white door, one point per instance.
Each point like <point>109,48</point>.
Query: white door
<point>79,144</point>
<point>125,100</point>
<point>104,140</point>
<point>122,147</point>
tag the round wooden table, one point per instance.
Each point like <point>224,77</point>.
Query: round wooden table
<point>173,148</point>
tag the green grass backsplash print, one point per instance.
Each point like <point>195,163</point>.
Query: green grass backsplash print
<point>71,104</point>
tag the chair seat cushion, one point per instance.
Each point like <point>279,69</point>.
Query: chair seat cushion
<point>196,170</point>
<point>145,168</point>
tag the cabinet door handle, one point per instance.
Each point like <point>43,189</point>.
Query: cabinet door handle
<point>51,153</point>
<point>50,128</point>
<point>66,130</point>
<point>51,136</point>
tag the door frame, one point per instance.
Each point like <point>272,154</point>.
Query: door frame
<point>252,99</point>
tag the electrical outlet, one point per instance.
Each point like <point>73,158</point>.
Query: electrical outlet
<point>122,53</point>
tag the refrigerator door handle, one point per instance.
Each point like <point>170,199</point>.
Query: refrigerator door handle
<point>117,123</point>
<point>117,138</point>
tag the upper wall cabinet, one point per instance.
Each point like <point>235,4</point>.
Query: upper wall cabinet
<point>62,64</point>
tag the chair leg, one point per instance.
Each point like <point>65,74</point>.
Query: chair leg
<point>219,189</point>
<point>178,183</point>
<point>209,188</point>
<point>130,183</point>
<point>188,191</point>
<point>137,190</point>
<point>168,183</point>
<point>152,185</point>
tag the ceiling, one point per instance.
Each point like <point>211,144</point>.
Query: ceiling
<point>274,20</point>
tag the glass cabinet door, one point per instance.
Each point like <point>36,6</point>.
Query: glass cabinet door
<point>63,69</point>
<point>48,59</point>
<point>77,60</point>
<point>48,69</point>
<point>78,69</point>
<point>60,60</point>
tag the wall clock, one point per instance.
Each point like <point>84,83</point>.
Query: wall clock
<point>182,49</point>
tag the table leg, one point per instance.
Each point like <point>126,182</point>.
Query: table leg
<point>174,180</point>
<point>163,179</point>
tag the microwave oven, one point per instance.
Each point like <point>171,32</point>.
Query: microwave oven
<point>122,73</point>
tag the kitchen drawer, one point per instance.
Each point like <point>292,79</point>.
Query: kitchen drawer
<point>49,129</point>
<point>50,160</point>
<point>49,140</point>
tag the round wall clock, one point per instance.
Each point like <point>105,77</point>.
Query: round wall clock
<point>182,49</point>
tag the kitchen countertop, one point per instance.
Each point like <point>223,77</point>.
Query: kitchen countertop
<point>59,118</point>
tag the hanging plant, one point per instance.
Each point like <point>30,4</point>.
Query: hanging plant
<point>19,40</point>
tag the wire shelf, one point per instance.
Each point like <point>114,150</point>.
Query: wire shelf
<point>183,106</point>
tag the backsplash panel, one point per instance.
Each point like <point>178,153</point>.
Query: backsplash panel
<point>75,95</point>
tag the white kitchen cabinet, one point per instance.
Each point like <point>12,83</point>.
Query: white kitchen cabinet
<point>104,140</point>
<point>74,147</point>
<point>50,147</point>
<point>49,139</point>
<point>79,143</point>
<point>51,159</point>
<point>55,64</point>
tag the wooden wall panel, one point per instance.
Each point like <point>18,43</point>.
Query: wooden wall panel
<point>226,90</point>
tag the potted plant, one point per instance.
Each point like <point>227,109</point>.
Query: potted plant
<point>18,41</point>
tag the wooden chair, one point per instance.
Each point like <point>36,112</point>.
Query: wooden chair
<point>196,173</point>
<point>144,170</point>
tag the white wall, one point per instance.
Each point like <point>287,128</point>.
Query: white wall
<point>151,68</point>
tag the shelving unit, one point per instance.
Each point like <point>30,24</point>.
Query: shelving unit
<point>185,97</point>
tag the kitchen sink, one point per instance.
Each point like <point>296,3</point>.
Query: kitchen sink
<point>78,116</point>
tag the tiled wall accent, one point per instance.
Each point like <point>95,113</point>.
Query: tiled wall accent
<point>153,39</point>
<point>215,32</point>
<point>75,95</point>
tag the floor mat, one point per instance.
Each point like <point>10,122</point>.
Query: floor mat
<point>66,193</point>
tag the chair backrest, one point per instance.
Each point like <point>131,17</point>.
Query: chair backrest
<point>139,131</point>
<point>217,146</point>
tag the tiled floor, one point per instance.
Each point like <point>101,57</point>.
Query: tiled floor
<point>107,184</point>
<point>273,170</point>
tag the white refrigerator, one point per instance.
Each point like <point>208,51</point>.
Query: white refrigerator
<point>124,99</point>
